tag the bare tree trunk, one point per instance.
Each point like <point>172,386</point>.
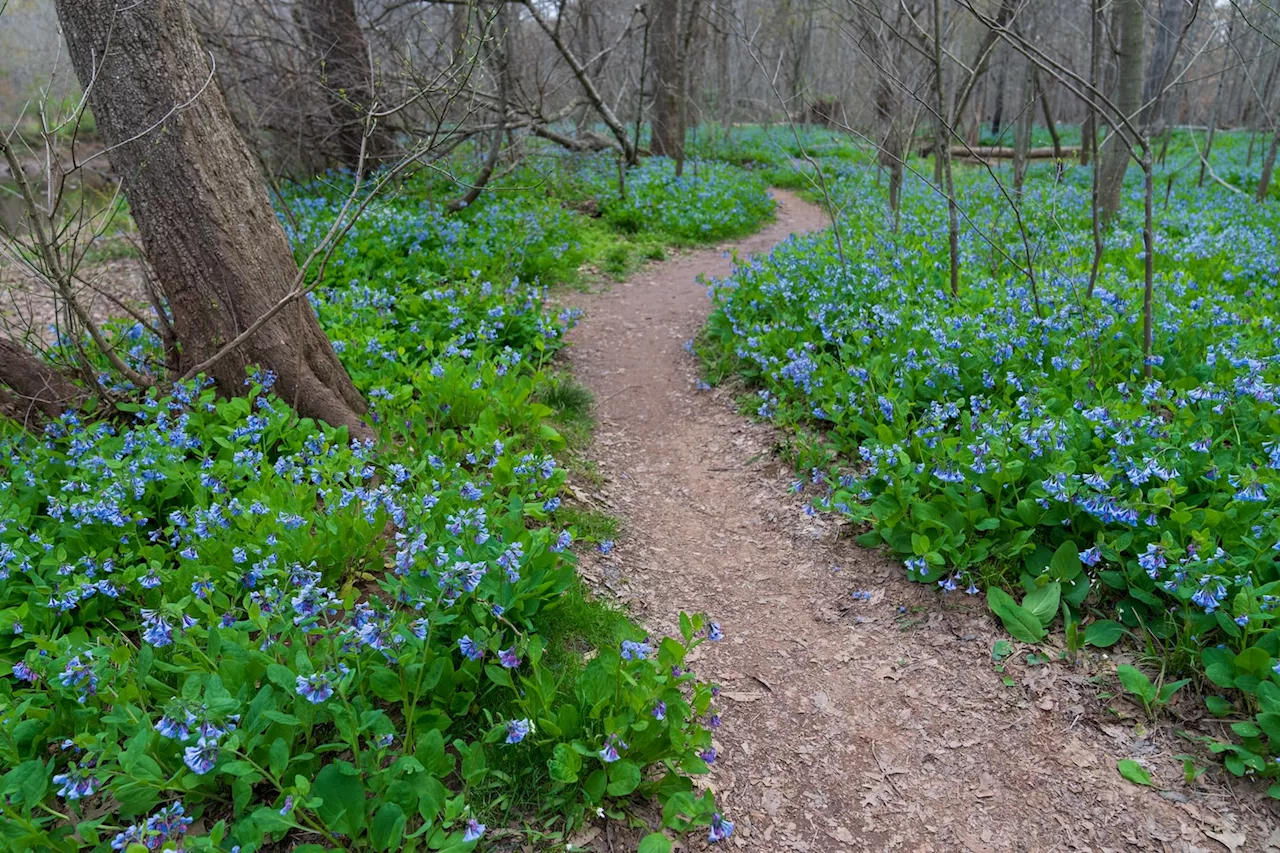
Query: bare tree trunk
<point>1022,127</point>
<point>1089,129</point>
<point>1129,18</point>
<point>1268,168</point>
<point>942,151</point>
<point>1216,110</point>
<point>339,50</point>
<point>668,129</point>
<point>892,147</point>
<point>997,112</point>
<point>200,204</point>
<point>1049,123</point>
<point>1091,143</point>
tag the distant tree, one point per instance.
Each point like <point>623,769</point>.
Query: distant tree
<point>1130,20</point>
<point>341,58</point>
<point>669,37</point>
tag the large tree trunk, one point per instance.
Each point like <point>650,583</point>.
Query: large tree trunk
<point>1129,20</point>
<point>341,56</point>
<point>200,204</point>
<point>668,97</point>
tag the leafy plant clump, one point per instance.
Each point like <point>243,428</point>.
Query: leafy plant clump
<point>222,627</point>
<point>992,444</point>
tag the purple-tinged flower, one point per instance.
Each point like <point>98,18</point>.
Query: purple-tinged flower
<point>24,673</point>
<point>714,722</point>
<point>469,648</point>
<point>315,688</point>
<point>708,755</point>
<point>509,658</point>
<point>714,633</point>
<point>721,828</point>
<point>77,783</point>
<point>632,650</point>
<point>606,546</point>
<point>174,729</point>
<point>517,730</point>
<point>475,829</point>
<point>201,757</point>
<point>1091,556</point>
<point>288,805</point>
<point>156,629</point>
<point>660,711</point>
<point>609,754</point>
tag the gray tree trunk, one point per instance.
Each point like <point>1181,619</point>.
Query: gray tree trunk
<point>668,97</point>
<point>340,55</point>
<point>201,204</point>
<point>1129,19</point>
<point>1022,127</point>
<point>1268,167</point>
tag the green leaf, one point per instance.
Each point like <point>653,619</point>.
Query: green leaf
<point>499,676</point>
<point>385,684</point>
<point>28,781</point>
<point>1103,633</point>
<point>387,828</point>
<point>624,777</point>
<point>1133,771</point>
<point>1218,706</point>
<point>343,794</point>
<point>1136,683</point>
<point>1167,690</point>
<point>1042,602</point>
<point>564,764</point>
<point>278,757</point>
<point>1017,621</point>
<point>1269,697</point>
<point>1066,564</point>
<point>594,786</point>
<point>654,842</point>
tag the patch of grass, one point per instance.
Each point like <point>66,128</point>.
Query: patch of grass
<point>589,525</point>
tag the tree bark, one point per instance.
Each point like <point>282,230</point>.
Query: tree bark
<point>668,127</point>
<point>1089,129</point>
<point>35,390</point>
<point>201,205</point>
<point>1129,18</point>
<point>341,56</point>
<point>1022,127</point>
<point>1268,167</point>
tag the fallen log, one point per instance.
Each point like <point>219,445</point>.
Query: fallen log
<point>993,152</point>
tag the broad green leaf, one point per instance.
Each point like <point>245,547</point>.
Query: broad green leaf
<point>1066,564</point>
<point>1133,771</point>
<point>344,798</point>
<point>1042,602</point>
<point>1103,633</point>
<point>1021,624</point>
<point>624,777</point>
<point>654,842</point>
<point>387,827</point>
<point>1167,690</point>
<point>564,764</point>
<point>1136,683</point>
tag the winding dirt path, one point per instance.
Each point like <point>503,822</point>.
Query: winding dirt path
<point>848,725</point>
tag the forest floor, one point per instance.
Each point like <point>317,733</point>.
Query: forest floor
<point>880,724</point>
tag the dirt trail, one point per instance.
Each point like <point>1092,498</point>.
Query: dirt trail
<point>848,725</point>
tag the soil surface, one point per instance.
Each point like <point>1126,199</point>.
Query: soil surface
<point>851,724</point>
